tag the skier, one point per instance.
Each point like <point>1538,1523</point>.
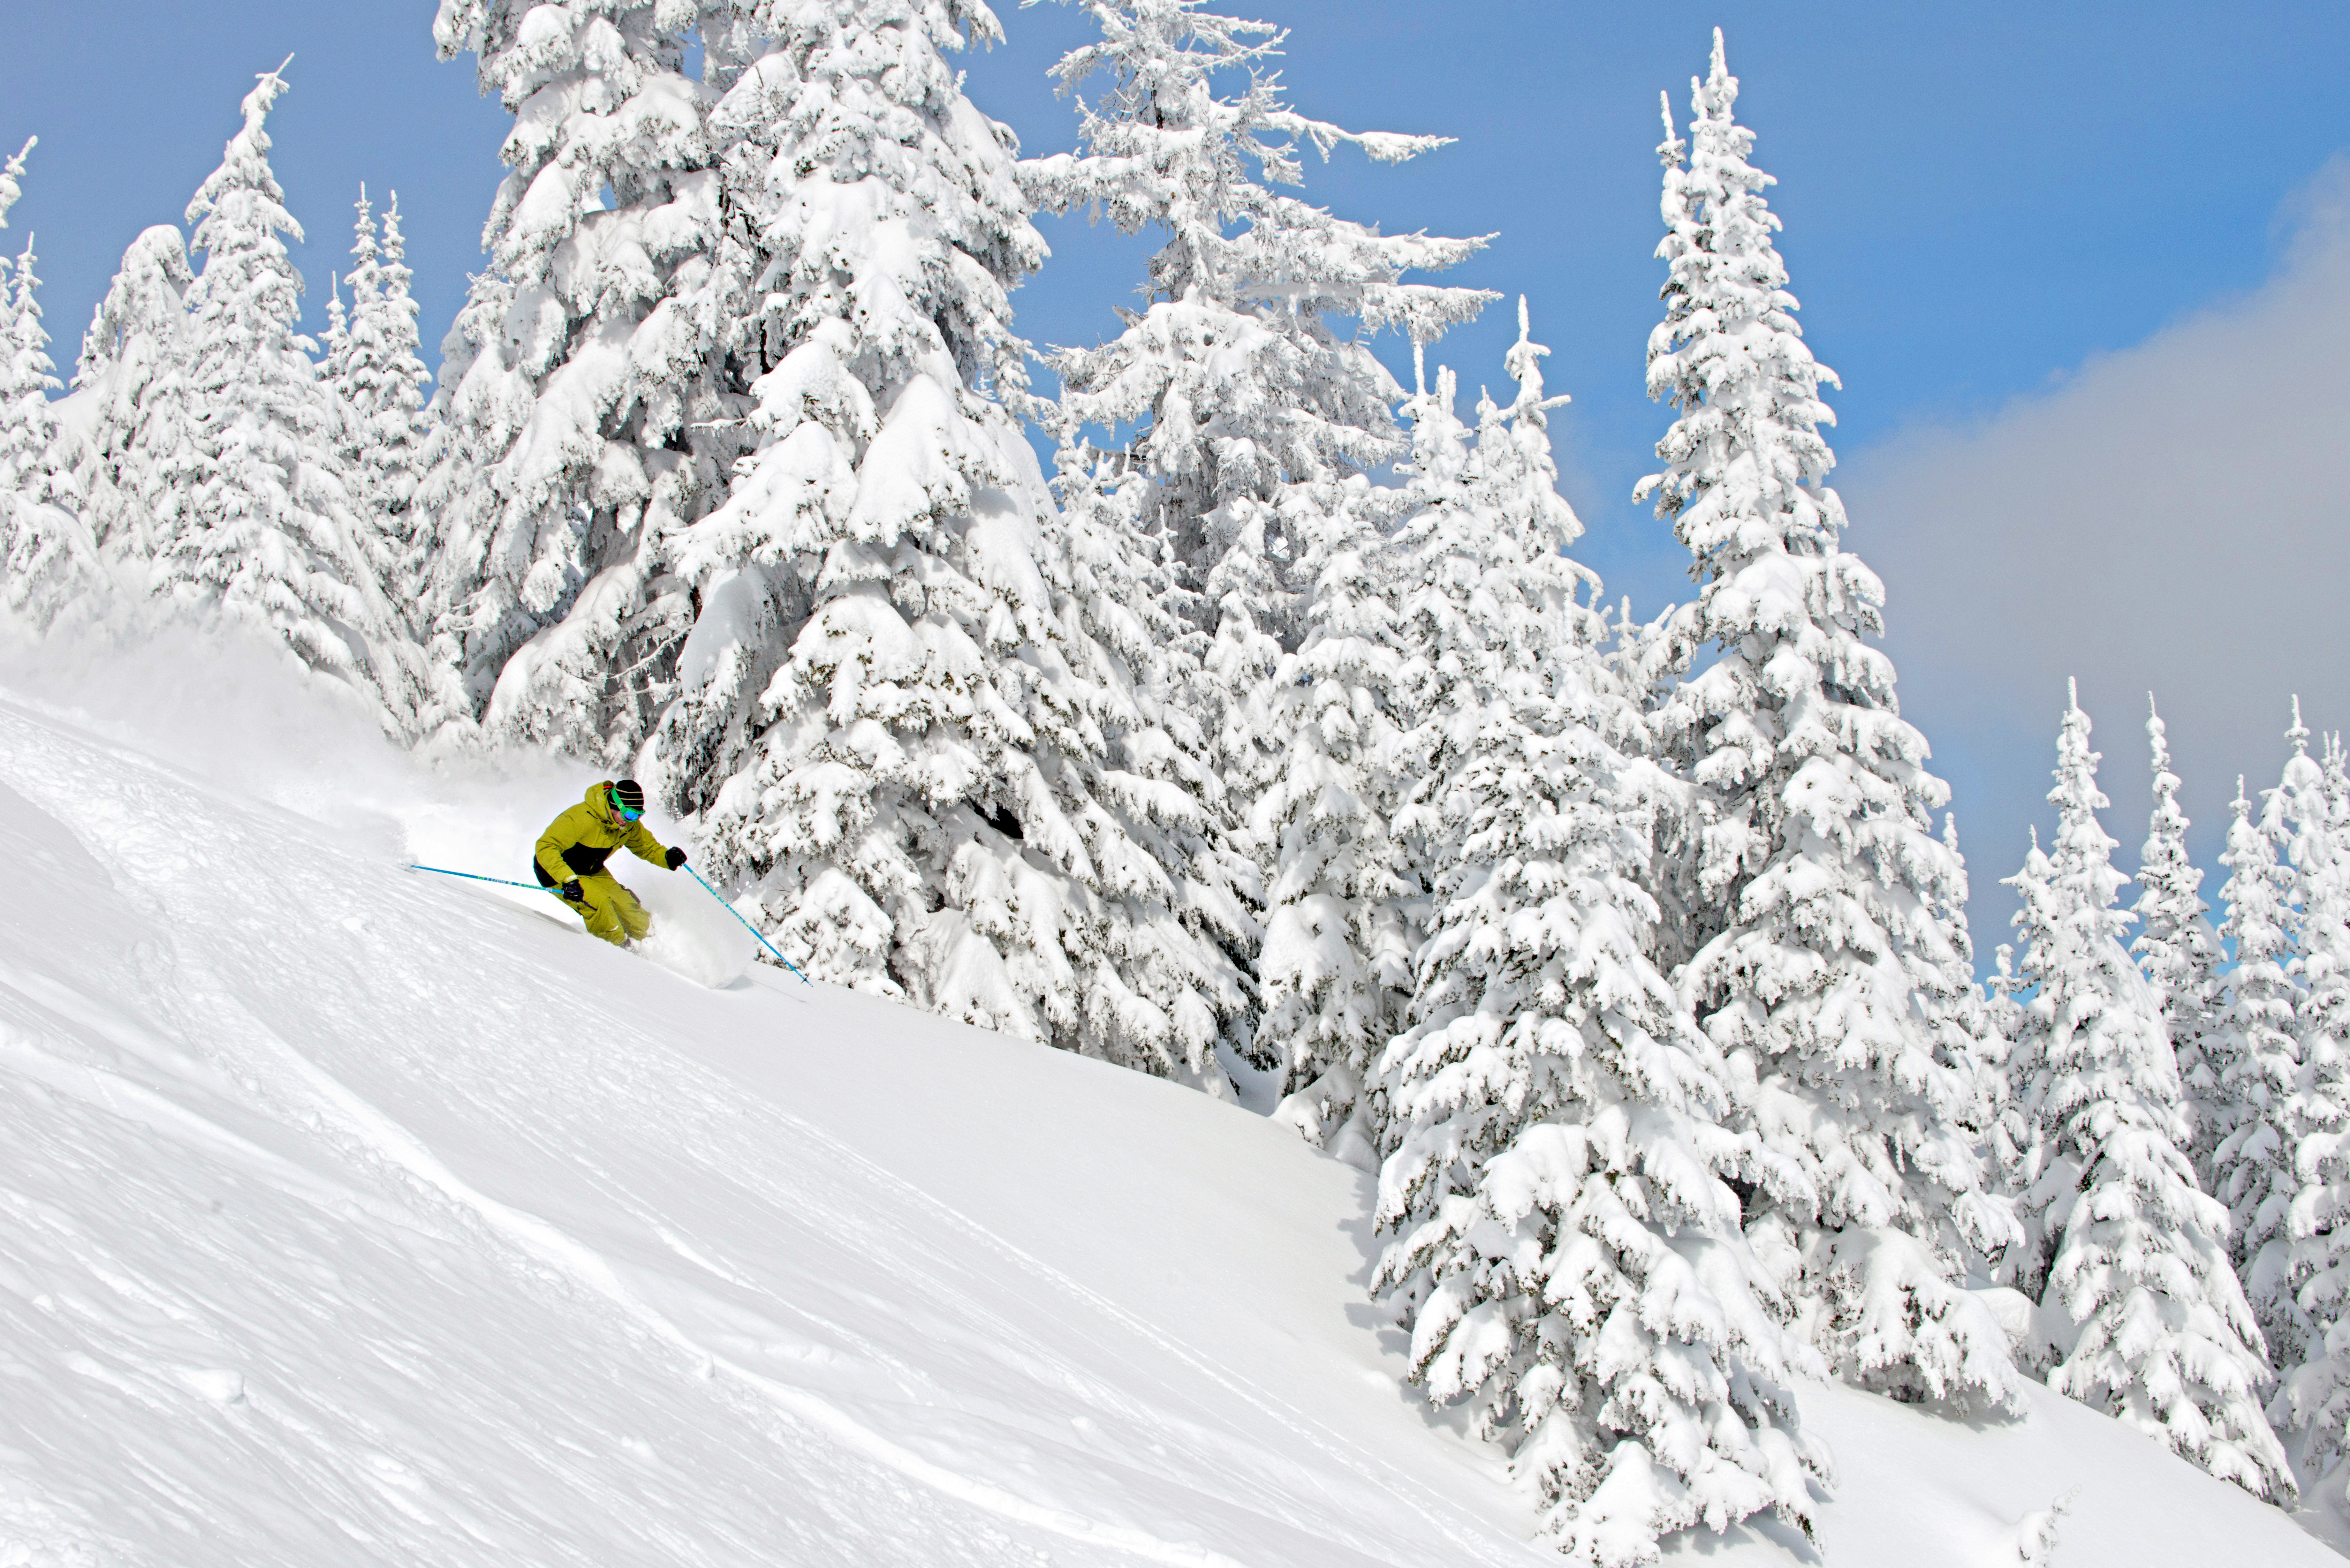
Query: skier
<point>572,851</point>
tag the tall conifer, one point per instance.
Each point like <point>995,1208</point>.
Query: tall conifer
<point>49,561</point>
<point>909,710</point>
<point>2178,949</point>
<point>1566,1248</point>
<point>610,428</point>
<point>1827,963</point>
<point>1248,409</point>
<point>254,517</point>
<point>377,375</point>
<point>2120,1243</point>
<point>2257,1062</point>
<point>2312,1408</point>
<point>133,373</point>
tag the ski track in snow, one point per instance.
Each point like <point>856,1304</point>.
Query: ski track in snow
<point>551,1246</point>
<point>155,834</point>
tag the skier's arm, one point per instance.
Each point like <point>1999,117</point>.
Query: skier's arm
<point>645,847</point>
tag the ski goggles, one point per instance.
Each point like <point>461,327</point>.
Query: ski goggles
<point>625,813</point>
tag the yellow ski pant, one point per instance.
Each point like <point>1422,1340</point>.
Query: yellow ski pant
<point>611,911</point>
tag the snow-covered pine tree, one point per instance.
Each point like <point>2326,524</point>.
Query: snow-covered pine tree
<point>2010,989</point>
<point>1345,904</point>
<point>334,374</point>
<point>2312,1406</point>
<point>254,516</point>
<point>392,465</point>
<point>481,402</point>
<point>1396,642</point>
<point>131,401</point>
<point>1132,652</point>
<point>1234,380</point>
<point>562,621</point>
<point>51,565</point>
<point>2311,823</point>
<point>1826,966</point>
<point>1565,1240</point>
<point>47,563</point>
<point>2178,949</point>
<point>1977,1049</point>
<point>377,374</point>
<point>912,714</point>
<point>2257,1062</point>
<point>2117,1235</point>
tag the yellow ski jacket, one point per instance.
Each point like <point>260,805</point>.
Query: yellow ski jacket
<point>578,843</point>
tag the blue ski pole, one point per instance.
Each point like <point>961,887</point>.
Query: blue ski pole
<point>749,928</point>
<point>501,881</point>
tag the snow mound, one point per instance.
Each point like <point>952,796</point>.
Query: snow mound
<point>695,933</point>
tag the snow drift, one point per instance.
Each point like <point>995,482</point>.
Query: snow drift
<point>354,1217</point>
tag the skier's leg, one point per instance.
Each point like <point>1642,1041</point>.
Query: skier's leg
<point>634,917</point>
<point>601,910</point>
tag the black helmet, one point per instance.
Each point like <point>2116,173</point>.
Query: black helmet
<point>628,795</point>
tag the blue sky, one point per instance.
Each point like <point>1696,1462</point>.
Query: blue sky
<point>2008,224</point>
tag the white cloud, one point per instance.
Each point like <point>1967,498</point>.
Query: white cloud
<point>2172,517</point>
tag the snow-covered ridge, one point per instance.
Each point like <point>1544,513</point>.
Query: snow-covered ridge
<point>356,1218</point>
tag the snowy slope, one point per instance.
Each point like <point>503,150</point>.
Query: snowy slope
<point>354,1217</point>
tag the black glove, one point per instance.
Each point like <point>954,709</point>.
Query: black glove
<point>675,858</point>
<point>573,893</point>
